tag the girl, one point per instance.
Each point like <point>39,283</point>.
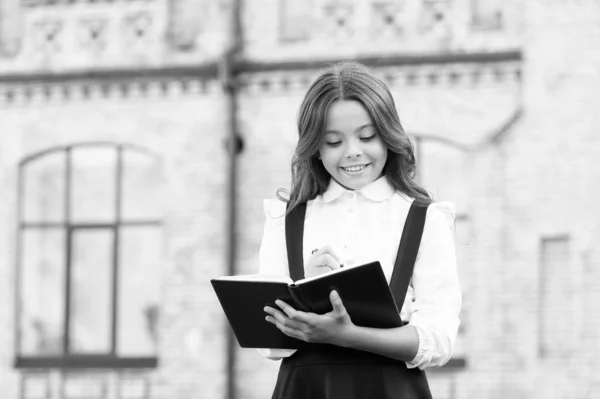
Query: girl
<point>354,200</point>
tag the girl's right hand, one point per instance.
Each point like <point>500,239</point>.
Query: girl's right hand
<point>322,261</point>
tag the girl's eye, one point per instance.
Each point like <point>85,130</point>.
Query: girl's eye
<point>333,143</point>
<point>367,138</point>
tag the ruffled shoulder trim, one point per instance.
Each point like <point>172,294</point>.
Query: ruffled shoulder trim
<point>443,210</point>
<point>274,210</point>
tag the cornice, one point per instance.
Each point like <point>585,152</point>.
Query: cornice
<point>254,77</point>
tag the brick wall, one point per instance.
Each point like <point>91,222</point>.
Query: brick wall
<point>536,180</point>
<point>188,133</point>
<point>550,173</point>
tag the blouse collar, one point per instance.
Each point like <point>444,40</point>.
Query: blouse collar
<point>377,191</point>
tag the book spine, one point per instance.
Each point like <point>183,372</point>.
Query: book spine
<point>302,303</point>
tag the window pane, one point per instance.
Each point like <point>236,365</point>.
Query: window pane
<point>93,184</point>
<point>141,187</point>
<point>555,298</point>
<point>139,278</point>
<point>44,189</point>
<point>91,291</point>
<point>42,292</point>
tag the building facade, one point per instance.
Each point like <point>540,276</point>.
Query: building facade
<point>115,119</point>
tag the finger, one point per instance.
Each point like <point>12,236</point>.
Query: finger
<point>330,261</point>
<point>328,249</point>
<point>336,302</point>
<point>292,313</point>
<point>291,332</point>
<point>278,316</point>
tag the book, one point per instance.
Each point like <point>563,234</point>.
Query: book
<point>363,289</point>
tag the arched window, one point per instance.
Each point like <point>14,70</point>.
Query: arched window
<point>89,257</point>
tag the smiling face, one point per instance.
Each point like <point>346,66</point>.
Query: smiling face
<point>352,151</point>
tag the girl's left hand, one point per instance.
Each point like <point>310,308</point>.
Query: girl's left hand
<point>310,327</point>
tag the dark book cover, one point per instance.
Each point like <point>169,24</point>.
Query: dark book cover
<point>363,289</point>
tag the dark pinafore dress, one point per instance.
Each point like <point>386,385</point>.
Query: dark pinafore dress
<point>320,371</point>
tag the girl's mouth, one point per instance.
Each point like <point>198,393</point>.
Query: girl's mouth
<point>355,168</point>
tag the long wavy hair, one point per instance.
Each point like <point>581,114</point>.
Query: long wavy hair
<point>349,81</point>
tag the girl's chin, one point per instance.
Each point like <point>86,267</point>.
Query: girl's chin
<point>354,183</point>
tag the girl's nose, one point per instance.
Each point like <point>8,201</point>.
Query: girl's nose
<point>354,148</point>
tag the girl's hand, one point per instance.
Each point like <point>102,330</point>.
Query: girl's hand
<point>310,327</point>
<point>322,261</point>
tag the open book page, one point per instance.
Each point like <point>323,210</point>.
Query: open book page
<point>320,276</point>
<point>258,277</point>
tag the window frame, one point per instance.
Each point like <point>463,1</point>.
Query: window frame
<point>69,360</point>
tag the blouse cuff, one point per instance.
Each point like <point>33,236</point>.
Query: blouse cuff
<point>276,354</point>
<point>426,344</point>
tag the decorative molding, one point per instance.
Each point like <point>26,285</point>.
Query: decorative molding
<point>254,78</point>
<point>47,35</point>
<point>436,17</point>
<point>93,35</point>
<point>42,384</point>
<point>338,19</point>
<point>63,3</point>
<point>86,361</point>
<point>387,19</point>
<point>137,28</point>
<point>64,92</point>
<point>445,75</point>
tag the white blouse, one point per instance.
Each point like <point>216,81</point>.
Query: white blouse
<point>364,226</point>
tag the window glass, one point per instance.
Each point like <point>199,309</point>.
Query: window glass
<point>93,184</point>
<point>71,247</point>
<point>44,189</point>
<point>555,295</point>
<point>141,194</point>
<point>42,290</point>
<point>139,277</point>
<point>91,291</point>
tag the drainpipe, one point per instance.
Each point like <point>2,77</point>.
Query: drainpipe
<point>227,72</point>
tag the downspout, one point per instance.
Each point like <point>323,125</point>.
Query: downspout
<point>227,72</point>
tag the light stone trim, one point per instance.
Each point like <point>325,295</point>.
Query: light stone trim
<point>450,75</point>
<point>30,93</point>
<point>254,83</point>
<point>63,3</point>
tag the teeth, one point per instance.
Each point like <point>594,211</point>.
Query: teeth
<point>355,168</point>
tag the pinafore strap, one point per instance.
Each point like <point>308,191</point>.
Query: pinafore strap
<point>407,250</point>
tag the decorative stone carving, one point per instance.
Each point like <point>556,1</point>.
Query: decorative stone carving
<point>387,19</point>
<point>297,19</point>
<point>436,20</point>
<point>338,18</point>
<point>53,3</point>
<point>93,34</point>
<point>10,28</point>
<point>136,29</point>
<point>487,14</point>
<point>20,94</point>
<point>186,20</point>
<point>46,37</point>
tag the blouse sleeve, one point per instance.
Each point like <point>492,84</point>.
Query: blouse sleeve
<point>273,257</point>
<point>437,294</point>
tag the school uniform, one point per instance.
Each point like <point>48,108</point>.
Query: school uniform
<point>374,223</point>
